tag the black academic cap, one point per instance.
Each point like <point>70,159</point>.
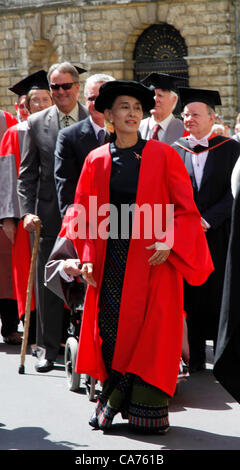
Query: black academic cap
<point>162,80</point>
<point>109,91</point>
<point>79,69</point>
<point>190,95</point>
<point>35,80</point>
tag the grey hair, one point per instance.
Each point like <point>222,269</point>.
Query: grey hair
<point>174,94</point>
<point>210,110</point>
<point>64,67</point>
<point>97,78</point>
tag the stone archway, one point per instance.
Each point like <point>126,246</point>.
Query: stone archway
<point>41,55</point>
<point>161,48</point>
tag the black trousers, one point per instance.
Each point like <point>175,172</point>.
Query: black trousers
<point>202,320</point>
<point>9,316</point>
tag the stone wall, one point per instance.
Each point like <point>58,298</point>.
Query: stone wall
<point>101,36</point>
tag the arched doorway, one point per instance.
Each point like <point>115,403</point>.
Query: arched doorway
<point>41,55</point>
<point>161,48</point>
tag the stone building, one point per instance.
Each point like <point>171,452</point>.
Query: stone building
<point>197,40</point>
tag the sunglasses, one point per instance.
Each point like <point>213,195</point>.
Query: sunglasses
<point>64,86</point>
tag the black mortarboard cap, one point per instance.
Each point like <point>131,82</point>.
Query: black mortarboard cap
<point>191,95</point>
<point>35,80</point>
<point>80,69</point>
<point>162,80</point>
<point>109,91</point>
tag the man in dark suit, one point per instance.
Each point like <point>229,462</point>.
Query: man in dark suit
<point>162,125</point>
<point>209,159</point>
<point>38,197</point>
<point>75,142</point>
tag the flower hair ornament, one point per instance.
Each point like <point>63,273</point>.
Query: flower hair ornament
<point>109,126</point>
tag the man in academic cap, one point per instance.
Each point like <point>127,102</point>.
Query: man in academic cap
<point>209,160</point>
<point>35,90</point>
<point>20,105</point>
<point>162,125</point>
<point>21,108</point>
<point>8,306</point>
<point>37,195</point>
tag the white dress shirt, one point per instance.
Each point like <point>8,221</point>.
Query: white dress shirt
<point>96,127</point>
<point>164,124</point>
<point>199,160</point>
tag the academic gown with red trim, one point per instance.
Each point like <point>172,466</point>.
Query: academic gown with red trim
<point>214,201</point>
<point>10,159</point>
<point>149,339</point>
<point>6,288</point>
<point>6,120</point>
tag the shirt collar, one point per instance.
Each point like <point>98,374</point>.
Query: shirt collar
<point>73,114</point>
<point>203,141</point>
<point>95,126</point>
<point>164,124</point>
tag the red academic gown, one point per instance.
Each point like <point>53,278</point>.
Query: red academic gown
<point>149,339</point>
<point>6,288</point>
<point>21,249</point>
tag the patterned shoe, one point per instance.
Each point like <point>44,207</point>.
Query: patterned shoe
<point>94,418</point>
<point>106,416</point>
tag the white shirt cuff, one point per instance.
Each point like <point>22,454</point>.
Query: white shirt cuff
<point>62,273</point>
<point>206,223</point>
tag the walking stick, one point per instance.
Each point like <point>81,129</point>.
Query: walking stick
<point>21,369</point>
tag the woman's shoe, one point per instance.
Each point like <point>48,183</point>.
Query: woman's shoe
<point>94,418</point>
<point>105,417</point>
<point>93,421</point>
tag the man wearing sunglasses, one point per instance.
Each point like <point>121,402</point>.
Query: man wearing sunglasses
<point>38,197</point>
<point>75,142</point>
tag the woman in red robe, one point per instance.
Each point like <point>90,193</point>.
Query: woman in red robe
<point>131,334</point>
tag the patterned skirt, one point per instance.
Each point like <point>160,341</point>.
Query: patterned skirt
<point>145,406</point>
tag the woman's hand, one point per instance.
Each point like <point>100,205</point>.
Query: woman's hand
<point>87,274</point>
<point>162,252</point>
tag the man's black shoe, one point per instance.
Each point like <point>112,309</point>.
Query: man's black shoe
<point>44,365</point>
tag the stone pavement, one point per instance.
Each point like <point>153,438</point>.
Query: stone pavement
<point>38,412</point>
